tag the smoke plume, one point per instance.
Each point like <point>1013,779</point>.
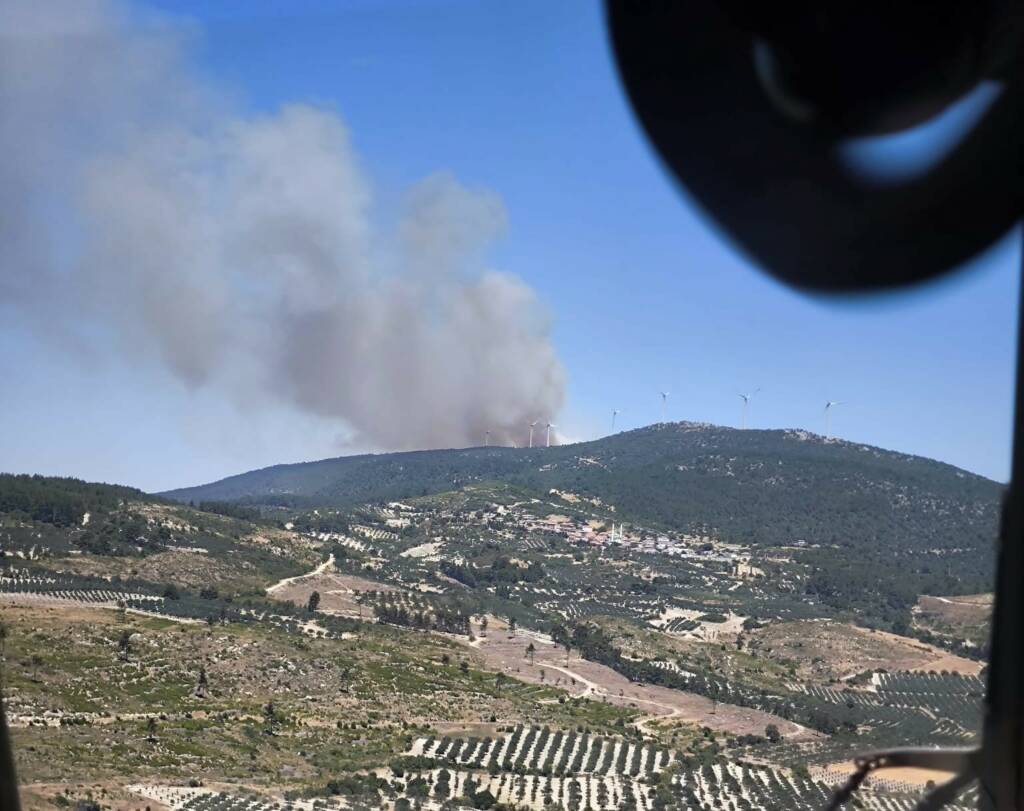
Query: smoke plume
<point>241,252</point>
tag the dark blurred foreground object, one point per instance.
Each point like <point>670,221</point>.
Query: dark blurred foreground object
<point>749,103</point>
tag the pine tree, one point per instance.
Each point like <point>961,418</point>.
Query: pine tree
<point>125,645</point>
<point>270,718</point>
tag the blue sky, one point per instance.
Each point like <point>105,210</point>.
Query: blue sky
<point>521,98</point>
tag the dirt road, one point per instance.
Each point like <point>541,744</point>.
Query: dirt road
<point>592,680</point>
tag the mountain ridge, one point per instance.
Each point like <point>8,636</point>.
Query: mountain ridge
<point>776,485</point>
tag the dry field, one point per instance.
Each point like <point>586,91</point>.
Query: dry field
<point>826,650</point>
<point>596,681</point>
<point>963,617</point>
<point>111,795</point>
<point>338,591</point>
<point>192,570</point>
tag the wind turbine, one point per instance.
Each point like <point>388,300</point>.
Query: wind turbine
<point>664,403</point>
<point>532,426</point>
<point>547,440</point>
<point>829,405</point>
<point>746,398</point>
<point>615,413</point>
<point>487,439</point>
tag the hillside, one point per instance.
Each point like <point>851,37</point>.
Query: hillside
<point>761,487</point>
<point>466,645</point>
<point>104,531</point>
<point>60,501</point>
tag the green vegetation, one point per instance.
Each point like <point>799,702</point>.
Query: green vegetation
<point>468,641</point>
<point>761,487</point>
<point>61,502</point>
<point>114,676</point>
<point>501,570</point>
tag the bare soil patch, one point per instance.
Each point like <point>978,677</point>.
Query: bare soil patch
<point>111,795</point>
<point>598,682</point>
<point>827,650</point>
<point>963,617</point>
<point>338,591</point>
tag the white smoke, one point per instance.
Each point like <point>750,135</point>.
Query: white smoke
<point>241,252</point>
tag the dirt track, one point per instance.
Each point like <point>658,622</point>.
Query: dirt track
<point>337,591</point>
<point>583,678</point>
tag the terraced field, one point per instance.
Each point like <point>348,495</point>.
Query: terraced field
<point>537,750</point>
<point>920,707</point>
<point>726,784</point>
<point>735,785</point>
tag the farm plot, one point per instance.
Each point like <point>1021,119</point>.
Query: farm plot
<point>577,604</point>
<point>826,649</point>
<point>419,611</point>
<point>537,792</point>
<point>342,540</point>
<point>375,534</point>
<point>882,720</point>
<point>549,664</point>
<point>931,684</point>
<point>539,750</point>
<point>662,664</point>
<point>723,784</point>
<point>25,588</point>
<point>681,625</point>
<point>963,617</point>
<point>944,706</point>
<point>709,626</point>
<point>730,784</point>
<point>98,597</point>
<point>201,799</point>
<point>340,593</point>
<point>463,786</point>
<point>952,698</point>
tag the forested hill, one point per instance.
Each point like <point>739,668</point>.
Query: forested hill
<point>60,501</point>
<point>46,516</point>
<point>749,486</point>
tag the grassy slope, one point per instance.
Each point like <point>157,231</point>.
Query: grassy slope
<point>66,660</point>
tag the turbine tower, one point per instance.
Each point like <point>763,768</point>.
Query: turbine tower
<point>487,439</point>
<point>664,403</point>
<point>746,398</point>
<point>547,439</point>
<point>615,413</point>
<point>532,426</point>
<point>829,405</point>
